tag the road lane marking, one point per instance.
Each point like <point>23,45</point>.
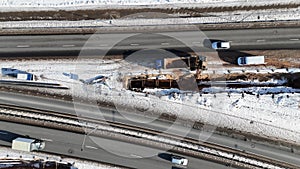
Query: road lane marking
<point>68,45</point>
<point>165,43</point>
<point>46,139</point>
<point>197,42</point>
<point>294,39</point>
<point>134,155</point>
<point>134,44</point>
<point>23,46</point>
<point>103,45</point>
<point>260,40</point>
<point>91,147</point>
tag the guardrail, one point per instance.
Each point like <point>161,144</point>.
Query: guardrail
<point>116,24</point>
<point>33,84</point>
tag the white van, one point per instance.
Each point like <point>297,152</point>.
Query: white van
<point>251,60</point>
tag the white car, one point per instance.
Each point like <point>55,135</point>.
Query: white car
<point>220,45</point>
<point>181,161</point>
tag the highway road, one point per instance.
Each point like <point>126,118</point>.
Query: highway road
<point>69,45</point>
<point>72,45</point>
<point>277,153</point>
<point>67,143</point>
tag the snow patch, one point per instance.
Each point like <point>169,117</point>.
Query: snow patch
<point>275,116</point>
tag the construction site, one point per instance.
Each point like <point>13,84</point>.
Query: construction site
<point>200,74</point>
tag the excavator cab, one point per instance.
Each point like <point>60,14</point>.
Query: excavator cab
<point>202,63</point>
<point>198,63</point>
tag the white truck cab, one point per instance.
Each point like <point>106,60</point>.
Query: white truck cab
<point>251,60</point>
<point>180,161</point>
<point>27,144</point>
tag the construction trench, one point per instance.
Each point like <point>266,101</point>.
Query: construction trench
<point>138,83</point>
<point>187,81</point>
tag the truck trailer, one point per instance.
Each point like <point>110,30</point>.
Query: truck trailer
<point>27,144</point>
<point>251,60</point>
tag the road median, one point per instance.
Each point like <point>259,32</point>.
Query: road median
<point>143,29</point>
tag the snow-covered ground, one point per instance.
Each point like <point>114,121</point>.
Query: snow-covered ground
<point>80,164</point>
<point>75,4</point>
<point>270,116</point>
<point>220,17</point>
<point>7,153</point>
<point>211,17</point>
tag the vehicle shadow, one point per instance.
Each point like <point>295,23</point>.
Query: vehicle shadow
<point>154,58</point>
<point>231,56</point>
<point>207,43</point>
<point>174,53</point>
<point>165,156</point>
<point>9,136</point>
<point>174,167</point>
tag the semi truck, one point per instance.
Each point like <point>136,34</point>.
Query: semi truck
<point>27,144</point>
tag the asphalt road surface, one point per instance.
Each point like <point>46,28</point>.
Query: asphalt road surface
<point>100,44</point>
<point>67,143</point>
<point>271,151</point>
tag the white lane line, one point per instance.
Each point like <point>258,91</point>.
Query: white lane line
<point>260,40</point>
<point>165,43</point>
<point>103,45</point>
<point>68,45</point>
<point>294,39</point>
<point>23,46</point>
<point>196,42</point>
<point>136,156</point>
<point>3,132</point>
<point>91,147</point>
<point>47,139</point>
<point>134,44</point>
